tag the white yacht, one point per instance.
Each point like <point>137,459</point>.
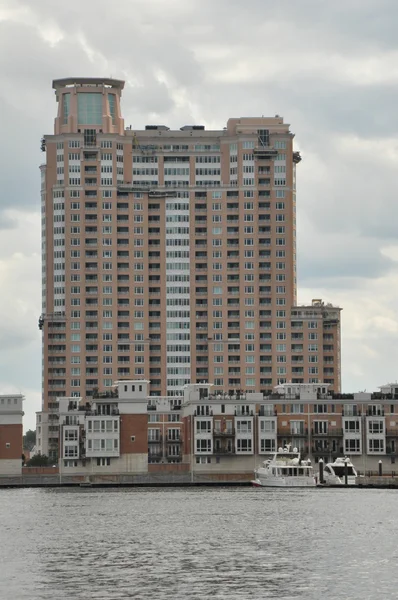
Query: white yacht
<point>285,469</point>
<point>334,472</point>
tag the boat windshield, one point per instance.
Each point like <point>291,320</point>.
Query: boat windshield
<point>340,471</point>
<point>295,472</point>
<point>287,455</point>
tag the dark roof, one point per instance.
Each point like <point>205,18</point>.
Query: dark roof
<point>116,83</point>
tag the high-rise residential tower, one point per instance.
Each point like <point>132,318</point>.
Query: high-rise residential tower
<point>170,255</point>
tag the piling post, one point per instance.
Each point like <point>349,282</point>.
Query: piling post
<point>321,479</point>
<point>346,472</point>
<point>380,468</point>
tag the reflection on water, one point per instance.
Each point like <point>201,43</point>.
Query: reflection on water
<point>198,543</point>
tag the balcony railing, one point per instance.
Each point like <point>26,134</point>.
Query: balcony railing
<point>265,152</point>
<point>265,413</point>
<point>155,457</point>
<point>155,440</point>
<point>322,451</point>
<point>224,433</point>
<point>335,432</point>
<point>392,433</point>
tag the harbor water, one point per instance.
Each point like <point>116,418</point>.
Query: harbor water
<point>183,543</point>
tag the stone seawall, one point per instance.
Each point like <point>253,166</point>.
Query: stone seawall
<point>166,478</point>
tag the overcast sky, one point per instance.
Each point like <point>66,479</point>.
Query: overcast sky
<point>329,68</point>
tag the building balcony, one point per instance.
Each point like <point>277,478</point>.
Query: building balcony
<point>96,413</point>
<point>392,433</point>
<point>102,453</point>
<point>225,433</point>
<point>265,152</point>
<point>155,440</point>
<point>224,452</point>
<point>71,456</point>
<point>267,413</point>
<point>331,432</point>
<point>174,441</point>
<point>155,457</point>
<point>286,431</point>
<point>318,451</point>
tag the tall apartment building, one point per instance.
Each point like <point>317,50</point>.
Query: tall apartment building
<point>171,256</point>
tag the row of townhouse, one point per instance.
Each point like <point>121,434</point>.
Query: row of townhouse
<point>129,431</point>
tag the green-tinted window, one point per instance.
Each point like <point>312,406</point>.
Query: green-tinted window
<point>89,108</point>
<point>66,108</point>
<point>112,108</point>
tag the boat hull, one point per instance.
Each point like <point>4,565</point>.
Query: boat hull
<point>334,480</point>
<point>284,482</point>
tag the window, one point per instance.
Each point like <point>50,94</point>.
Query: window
<point>376,445</point>
<point>203,426</point>
<point>203,446</point>
<point>351,426</point>
<point>267,445</point>
<point>89,108</point>
<point>244,426</point>
<point>376,426</point>
<point>352,445</point>
<point>112,109</point>
<point>320,427</point>
<point>203,460</point>
<point>243,445</point>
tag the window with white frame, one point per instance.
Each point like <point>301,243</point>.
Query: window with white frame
<point>203,445</point>
<point>243,426</point>
<point>267,445</point>
<point>352,445</point>
<point>376,445</point>
<point>244,445</point>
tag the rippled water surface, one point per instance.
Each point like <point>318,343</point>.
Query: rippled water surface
<point>198,543</point>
